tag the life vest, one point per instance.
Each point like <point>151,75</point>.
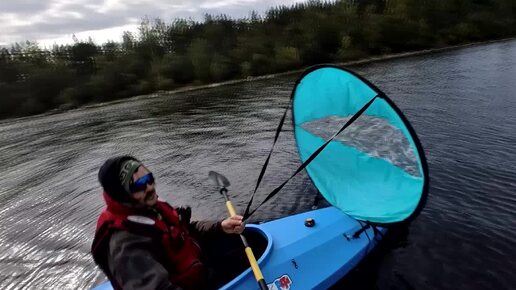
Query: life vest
<point>180,252</point>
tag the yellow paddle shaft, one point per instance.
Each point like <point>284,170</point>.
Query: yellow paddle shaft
<point>254,265</point>
<point>249,252</point>
<point>231,209</point>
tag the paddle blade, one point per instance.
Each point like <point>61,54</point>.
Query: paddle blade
<point>219,179</point>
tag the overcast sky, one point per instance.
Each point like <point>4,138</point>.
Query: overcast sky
<point>55,21</point>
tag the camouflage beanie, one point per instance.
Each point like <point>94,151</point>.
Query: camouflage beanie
<point>127,169</point>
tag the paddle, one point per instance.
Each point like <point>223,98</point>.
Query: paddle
<point>222,182</point>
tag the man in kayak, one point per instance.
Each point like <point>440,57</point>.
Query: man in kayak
<point>144,243</point>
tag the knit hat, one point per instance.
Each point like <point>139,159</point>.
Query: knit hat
<point>109,177</point>
<point>127,169</point>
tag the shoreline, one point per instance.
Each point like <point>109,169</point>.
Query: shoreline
<point>191,88</point>
<point>366,60</point>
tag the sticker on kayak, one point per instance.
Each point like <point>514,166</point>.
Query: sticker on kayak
<point>282,283</point>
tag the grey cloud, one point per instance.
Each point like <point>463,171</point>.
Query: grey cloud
<point>71,25</point>
<point>23,6</point>
<point>51,20</point>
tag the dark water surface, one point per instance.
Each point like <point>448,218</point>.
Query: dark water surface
<point>461,103</point>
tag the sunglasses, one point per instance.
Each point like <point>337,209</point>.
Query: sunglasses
<point>141,183</point>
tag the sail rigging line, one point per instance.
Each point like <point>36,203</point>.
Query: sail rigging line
<point>264,167</point>
<point>248,213</point>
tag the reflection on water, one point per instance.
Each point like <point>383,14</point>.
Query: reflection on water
<point>461,103</point>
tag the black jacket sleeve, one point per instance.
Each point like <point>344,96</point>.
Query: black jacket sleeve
<point>205,230</point>
<point>133,263</point>
<point>200,230</point>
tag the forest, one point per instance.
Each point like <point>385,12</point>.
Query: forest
<point>165,55</point>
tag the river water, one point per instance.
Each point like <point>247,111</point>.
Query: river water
<point>462,104</point>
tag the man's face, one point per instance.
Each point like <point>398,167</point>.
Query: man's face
<point>146,196</point>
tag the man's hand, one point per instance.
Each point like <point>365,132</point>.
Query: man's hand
<point>233,225</point>
<point>185,213</point>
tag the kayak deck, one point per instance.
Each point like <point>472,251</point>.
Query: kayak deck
<point>311,257</point>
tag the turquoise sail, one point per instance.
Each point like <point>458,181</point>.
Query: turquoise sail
<point>375,169</point>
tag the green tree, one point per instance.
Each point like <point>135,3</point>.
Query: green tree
<point>200,54</point>
<point>287,58</point>
<point>82,57</point>
<point>178,68</point>
<point>166,55</point>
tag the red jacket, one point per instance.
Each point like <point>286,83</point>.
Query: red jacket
<point>179,252</point>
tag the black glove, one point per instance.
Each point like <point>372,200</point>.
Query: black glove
<point>185,213</point>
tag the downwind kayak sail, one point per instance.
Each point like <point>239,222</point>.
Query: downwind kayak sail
<point>373,167</point>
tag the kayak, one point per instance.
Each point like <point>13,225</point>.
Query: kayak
<point>363,157</point>
<point>310,250</point>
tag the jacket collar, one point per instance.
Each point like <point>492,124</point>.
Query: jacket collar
<point>117,207</point>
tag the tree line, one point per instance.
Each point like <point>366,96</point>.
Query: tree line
<point>164,56</point>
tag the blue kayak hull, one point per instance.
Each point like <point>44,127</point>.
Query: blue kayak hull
<point>300,257</point>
